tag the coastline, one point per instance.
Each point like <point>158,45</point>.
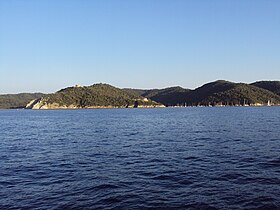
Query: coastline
<point>130,107</point>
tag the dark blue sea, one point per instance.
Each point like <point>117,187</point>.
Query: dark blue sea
<point>165,158</point>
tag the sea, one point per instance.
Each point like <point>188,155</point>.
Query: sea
<point>145,158</point>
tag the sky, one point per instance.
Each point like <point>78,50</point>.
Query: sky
<point>47,45</point>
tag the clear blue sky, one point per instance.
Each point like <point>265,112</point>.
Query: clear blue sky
<point>46,45</point>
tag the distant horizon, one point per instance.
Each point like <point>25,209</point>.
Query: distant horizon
<point>191,88</point>
<point>48,45</point>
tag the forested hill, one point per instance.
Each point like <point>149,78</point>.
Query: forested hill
<point>12,101</point>
<point>94,96</point>
<point>273,86</point>
<point>219,92</point>
<point>228,93</point>
<point>167,96</point>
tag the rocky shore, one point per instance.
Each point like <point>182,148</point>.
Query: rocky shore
<point>42,103</point>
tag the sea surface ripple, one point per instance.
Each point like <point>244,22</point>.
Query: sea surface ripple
<point>169,158</point>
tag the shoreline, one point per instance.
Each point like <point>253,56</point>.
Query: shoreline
<point>140,107</point>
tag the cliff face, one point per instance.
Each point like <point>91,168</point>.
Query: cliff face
<point>42,103</point>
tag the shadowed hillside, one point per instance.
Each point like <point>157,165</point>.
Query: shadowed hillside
<point>11,101</point>
<point>241,94</point>
<point>220,92</point>
<point>273,86</point>
<point>168,96</point>
<point>227,93</point>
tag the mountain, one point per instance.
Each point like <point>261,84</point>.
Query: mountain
<point>273,86</point>
<point>12,101</point>
<point>219,92</point>
<point>228,93</point>
<point>201,94</point>
<point>94,96</point>
<point>168,96</point>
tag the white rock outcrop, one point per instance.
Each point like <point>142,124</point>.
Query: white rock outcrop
<point>42,103</point>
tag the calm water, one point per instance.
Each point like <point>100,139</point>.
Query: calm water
<point>172,158</point>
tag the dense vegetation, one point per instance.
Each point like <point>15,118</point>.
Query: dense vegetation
<point>167,96</point>
<point>273,86</point>
<point>95,95</point>
<point>12,101</point>
<point>241,94</point>
<point>215,93</point>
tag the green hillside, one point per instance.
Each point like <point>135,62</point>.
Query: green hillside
<point>200,94</point>
<point>227,93</point>
<point>219,92</point>
<point>168,96</point>
<point>273,86</point>
<point>242,94</point>
<point>11,101</point>
<point>97,95</point>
